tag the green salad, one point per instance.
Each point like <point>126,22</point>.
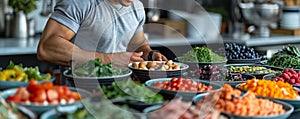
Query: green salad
<point>134,91</point>
<point>94,68</point>
<point>201,54</point>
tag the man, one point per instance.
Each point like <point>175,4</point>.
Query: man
<point>83,30</point>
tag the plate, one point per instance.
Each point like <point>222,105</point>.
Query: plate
<point>16,84</point>
<point>42,108</point>
<point>91,83</point>
<point>186,96</point>
<point>287,107</point>
<point>145,75</point>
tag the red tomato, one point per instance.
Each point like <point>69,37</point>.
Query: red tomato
<point>38,96</point>
<point>59,89</point>
<point>54,102</point>
<point>34,87</point>
<point>14,98</point>
<point>22,93</point>
<point>67,91</point>
<point>52,95</point>
<point>47,85</point>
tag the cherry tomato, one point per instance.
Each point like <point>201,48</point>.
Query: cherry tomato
<point>47,85</point>
<point>52,95</point>
<point>14,98</point>
<point>38,96</point>
<point>22,93</point>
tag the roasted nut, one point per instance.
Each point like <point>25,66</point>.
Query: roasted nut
<point>169,62</point>
<point>135,65</point>
<point>151,64</point>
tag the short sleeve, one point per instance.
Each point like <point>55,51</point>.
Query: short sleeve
<point>71,12</point>
<point>141,15</point>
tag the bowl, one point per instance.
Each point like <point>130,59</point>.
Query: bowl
<point>170,94</point>
<point>294,102</point>
<point>91,83</point>
<point>287,107</point>
<point>15,84</point>
<point>39,109</point>
<point>144,75</point>
<point>27,112</point>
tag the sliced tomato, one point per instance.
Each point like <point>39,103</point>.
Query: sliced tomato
<point>47,85</point>
<point>38,96</point>
<point>67,91</point>
<point>22,93</point>
<point>14,98</point>
<point>59,90</point>
<point>52,95</point>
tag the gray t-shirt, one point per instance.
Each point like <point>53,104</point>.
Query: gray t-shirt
<point>99,25</point>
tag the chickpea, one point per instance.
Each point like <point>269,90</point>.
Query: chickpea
<point>169,62</point>
<point>135,65</point>
<point>151,64</point>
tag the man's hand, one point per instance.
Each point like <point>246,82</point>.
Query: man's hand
<point>157,56</point>
<point>122,59</point>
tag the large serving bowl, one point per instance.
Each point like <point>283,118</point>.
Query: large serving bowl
<point>90,83</point>
<point>15,84</point>
<point>143,75</point>
<point>186,95</point>
<point>261,15</point>
<point>39,108</point>
<point>287,107</point>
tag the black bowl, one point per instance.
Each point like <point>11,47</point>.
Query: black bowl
<point>142,75</point>
<point>91,83</point>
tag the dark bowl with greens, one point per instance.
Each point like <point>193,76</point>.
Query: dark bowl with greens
<point>134,94</point>
<point>91,74</point>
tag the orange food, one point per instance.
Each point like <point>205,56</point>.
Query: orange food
<point>269,88</point>
<point>229,100</point>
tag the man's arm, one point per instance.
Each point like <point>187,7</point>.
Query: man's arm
<point>55,47</point>
<point>139,43</point>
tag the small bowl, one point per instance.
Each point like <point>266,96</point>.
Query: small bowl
<point>91,83</point>
<point>287,107</point>
<point>16,84</point>
<point>186,96</point>
<point>145,75</point>
<point>39,109</point>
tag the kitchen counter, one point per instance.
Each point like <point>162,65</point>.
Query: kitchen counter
<point>19,46</point>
